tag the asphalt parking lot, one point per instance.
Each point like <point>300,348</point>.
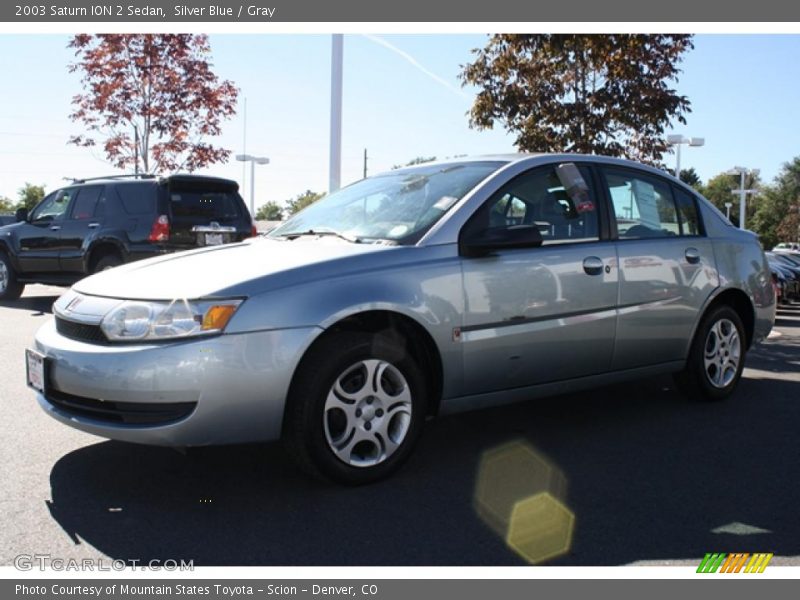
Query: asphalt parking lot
<point>650,476</point>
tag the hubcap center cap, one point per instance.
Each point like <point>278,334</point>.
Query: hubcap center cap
<point>368,413</point>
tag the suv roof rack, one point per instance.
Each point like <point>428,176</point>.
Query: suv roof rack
<point>126,176</point>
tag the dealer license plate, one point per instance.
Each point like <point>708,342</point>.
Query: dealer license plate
<point>35,369</point>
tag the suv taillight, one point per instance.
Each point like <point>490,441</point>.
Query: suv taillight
<point>160,230</point>
<point>253,230</point>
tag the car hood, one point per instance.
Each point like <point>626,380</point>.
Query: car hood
<point>244,269</point>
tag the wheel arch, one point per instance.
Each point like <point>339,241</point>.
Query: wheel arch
<point>418,342</point>
<point>101,248</point>
<point>739,301</point>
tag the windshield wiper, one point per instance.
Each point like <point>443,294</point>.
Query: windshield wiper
<point>296,234</point>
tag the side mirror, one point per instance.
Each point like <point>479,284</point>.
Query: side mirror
<point>501,238</point>
<point>21,215</point>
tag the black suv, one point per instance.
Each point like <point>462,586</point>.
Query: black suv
<point>96,224</point>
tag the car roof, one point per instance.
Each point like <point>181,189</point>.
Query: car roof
<point>131,180</point>
<point>515,157</point>
<point>518,157</point>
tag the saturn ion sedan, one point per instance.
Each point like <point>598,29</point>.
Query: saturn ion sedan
<point>415,293</point>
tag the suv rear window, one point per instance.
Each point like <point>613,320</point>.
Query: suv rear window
<point>207,206</point>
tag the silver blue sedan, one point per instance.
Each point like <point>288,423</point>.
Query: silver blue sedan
<point>418,292</point>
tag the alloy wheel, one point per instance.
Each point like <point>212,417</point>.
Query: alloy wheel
<point>722,354</point>
<point>367,413</point>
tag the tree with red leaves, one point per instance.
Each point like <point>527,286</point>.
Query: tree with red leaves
<point>151,100</point>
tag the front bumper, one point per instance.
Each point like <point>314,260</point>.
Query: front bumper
<point>217,390</point>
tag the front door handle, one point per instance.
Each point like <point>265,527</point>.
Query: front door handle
<point>692,255</point>
<point>93,225</point>
<point>55,227</point>
<point>592,265</point>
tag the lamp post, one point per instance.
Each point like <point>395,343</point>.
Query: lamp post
<point>742,172</point>
<point>677,141</point>
<point>728,210</point>
<point>335,158</point>
<point>253,160</point>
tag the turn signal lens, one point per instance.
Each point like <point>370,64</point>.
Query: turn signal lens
<point>217,317</point>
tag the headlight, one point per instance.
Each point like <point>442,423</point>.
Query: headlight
<point>135,320</point>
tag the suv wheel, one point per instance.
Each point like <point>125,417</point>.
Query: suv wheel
<point>716,358</point>
<point>356,408</point>
<point>109,261</point>
<point>10,288</point>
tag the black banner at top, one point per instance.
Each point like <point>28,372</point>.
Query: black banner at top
<point>451,11</point>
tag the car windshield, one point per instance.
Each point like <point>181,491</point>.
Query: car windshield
<point>399,206</point>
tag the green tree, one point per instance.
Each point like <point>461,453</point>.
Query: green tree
<point>6,205</point>
<point>596,94</point>
<point>30,195</point>
<point>299,202</point>
<point>777,210</point>
<point>719,190</point>
<point>690,177</point>
<point>269,212</point>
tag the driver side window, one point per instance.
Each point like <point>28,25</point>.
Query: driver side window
<point>556,199</point>
<point>53,207</point>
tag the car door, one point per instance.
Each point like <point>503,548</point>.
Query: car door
<point>84,218</point>
<point>541,314</point>
<point>39,237</point>
<point>666,267</point>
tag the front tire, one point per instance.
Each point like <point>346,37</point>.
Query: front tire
<point>10,288</point>
<point>356,407</point>
<point>716,357</point>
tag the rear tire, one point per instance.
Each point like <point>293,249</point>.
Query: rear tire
<point>10,288</point>
<point>716,357</point>
<point>109,261</point>
<point>356,407</point>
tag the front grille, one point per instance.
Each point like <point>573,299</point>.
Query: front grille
<point>81,331</point>
<point>129,413</point>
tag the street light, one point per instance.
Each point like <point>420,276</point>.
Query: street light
<point>742,172</point>
<point>728,210</point>
<point>335,158</point>
<point>253,160</point>
<point>678,141</point>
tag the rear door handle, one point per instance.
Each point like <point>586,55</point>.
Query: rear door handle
<point>592,265</point>
<point>93,225</point>
<point>692,255</point>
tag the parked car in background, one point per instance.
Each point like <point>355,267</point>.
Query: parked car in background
<point>96,224</point>
<point>422,291</point>
<point>7,220</point>
<point>788,268</point>
<point>787,246</point>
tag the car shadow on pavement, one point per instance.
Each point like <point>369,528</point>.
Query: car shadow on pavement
<point>38,304</point>
<point>650,476</point>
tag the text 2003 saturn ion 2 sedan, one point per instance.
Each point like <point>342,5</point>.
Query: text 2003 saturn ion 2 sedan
<point>413,293</point>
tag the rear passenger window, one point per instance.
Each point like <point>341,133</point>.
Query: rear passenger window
<point>138,198</point>
<point>86,203</point>
<point>643,207</point>
<point>687,208</point>
<point>556,199</point>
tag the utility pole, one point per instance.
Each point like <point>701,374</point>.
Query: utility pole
<point>742,172</point>
<point>335,165</point>
<point>244,146</point>
<point>365,163</point>
<point>135,149</point>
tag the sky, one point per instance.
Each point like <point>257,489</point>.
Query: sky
<point>402,99</point>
